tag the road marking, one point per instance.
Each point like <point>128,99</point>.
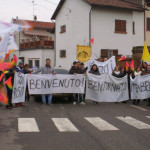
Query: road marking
<point>148,117</point>
<point>27,125</point>
<point>139,108</point>
<point>133,122</point>
<point>101,124</point>
<point>64,125</point>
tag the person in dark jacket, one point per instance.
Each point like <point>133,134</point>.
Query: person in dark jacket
<point>148,73</point>
<point>129,74</point>
<point>20,68</point>
<point>76,70</point>
<point>9,91</point>
<point>94,70</point>
<point>27,71</point>
<point>137,72</point>
<point>117,72</point>
<point>144,68</point>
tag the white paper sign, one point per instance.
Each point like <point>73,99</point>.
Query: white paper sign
<point>47,84</point>
<point>140,87</point>
<point>19,88</point>
<point>106,88</point>
<point>106,67</point>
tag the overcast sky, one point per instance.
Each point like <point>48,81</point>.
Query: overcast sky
<point>24,9</point>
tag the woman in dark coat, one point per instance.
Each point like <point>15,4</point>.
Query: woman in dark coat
<point>117,72</point>
<point>94,70</point>
<point>129,74</point>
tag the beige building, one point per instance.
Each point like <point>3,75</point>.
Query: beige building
<point>147,22</point>
<point>36,44</point>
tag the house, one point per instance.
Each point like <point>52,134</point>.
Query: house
<point>116,25</point>
<point>36,44</point>
<point>147,22</point>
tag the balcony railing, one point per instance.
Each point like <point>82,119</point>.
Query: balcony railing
<point>37,45</point>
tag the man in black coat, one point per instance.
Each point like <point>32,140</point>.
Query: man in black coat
<point>76,70</point>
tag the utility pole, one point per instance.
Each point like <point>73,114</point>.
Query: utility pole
<point>33,8</point>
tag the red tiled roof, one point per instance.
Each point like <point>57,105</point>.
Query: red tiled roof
<point>123,4</point>
<point>116,3</point>
<point>35,24</point>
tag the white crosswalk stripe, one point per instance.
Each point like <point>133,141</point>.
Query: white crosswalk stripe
<point>27,125</point>
<point>64,125</point>
<point>101,124</point>
<point>148,117</point>
<point>133,122</point>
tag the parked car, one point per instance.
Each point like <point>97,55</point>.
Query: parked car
<point>58,97</point>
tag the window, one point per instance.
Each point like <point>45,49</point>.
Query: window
<point>30,63</point>
<point>108,53</point>
<point>63,29</point>
<point>148,24</point>
<point>63,54</point>
<point>22,59</point>
<point>133,27</point>
<point>120,26</point>
<point>34,62</point>
<point>37,63</point>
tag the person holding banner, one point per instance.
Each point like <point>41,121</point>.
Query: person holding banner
<point>144,68</point>
<point>148,73</point>
<point>94,70</point>
<point>20,69</point>
<point>76,70</point>
<point>9,91</point>
<point>128,71</point>
<point>27,71</point>
<point>117,72</point>
<point>46,70</point>
<point>137,72</point>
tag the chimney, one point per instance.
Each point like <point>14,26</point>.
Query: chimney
<point>35,18</point>
<point>17,18</point>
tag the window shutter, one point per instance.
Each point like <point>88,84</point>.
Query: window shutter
<point>120,26</point>
<point>104,53</point>
<point>133,28</point>
<point>62,53</point>
<point>115,52</point>
<point>148,24</point>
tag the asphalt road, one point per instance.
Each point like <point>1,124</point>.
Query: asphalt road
<point>89,127</point>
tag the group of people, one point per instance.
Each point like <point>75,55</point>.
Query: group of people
<point>77,68</point>
<point>21,68</point>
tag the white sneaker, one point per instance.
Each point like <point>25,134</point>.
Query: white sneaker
<point>82,103</point>
<point>74,103</point>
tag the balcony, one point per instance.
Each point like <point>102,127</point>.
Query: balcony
<point>43,44</point>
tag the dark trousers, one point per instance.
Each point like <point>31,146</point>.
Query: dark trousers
<point>136,101</point>
<point>9,93</point>
<point>27,96</point>
<point>75,97</point>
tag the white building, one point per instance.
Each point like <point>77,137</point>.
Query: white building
<point>116,25</point>
<point>35,45</point>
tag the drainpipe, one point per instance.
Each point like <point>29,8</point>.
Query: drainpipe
<point>144,23</point>
<point>90,24</point>
<point>54,45</point>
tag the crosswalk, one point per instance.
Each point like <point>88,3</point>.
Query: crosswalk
<point>66,125</point>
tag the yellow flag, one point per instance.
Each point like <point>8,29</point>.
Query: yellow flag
<point>146,55</point>
<point>83,53</point>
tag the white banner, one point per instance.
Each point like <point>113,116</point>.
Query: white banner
<point>106,88</point>
<point>47,84</point>
<point>106,67</point>
<point>19,88</point>
<point>140,87</point>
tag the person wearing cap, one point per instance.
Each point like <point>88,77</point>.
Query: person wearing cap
<point>20,68</point>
